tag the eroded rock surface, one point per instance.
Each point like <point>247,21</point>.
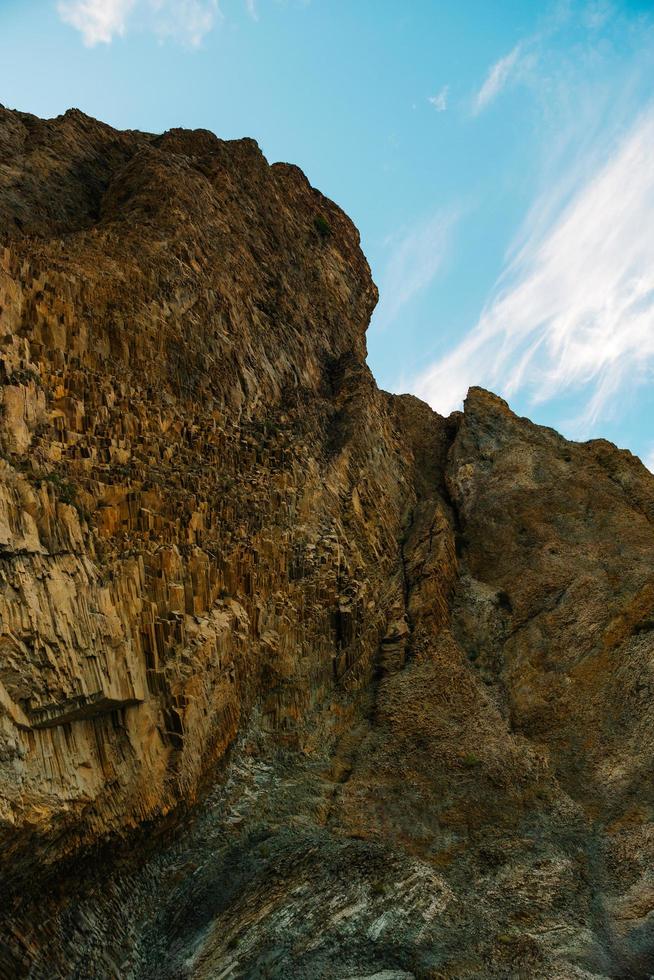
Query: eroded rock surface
<point>297,678</point>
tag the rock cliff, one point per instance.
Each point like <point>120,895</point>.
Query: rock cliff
<point>297,678</point>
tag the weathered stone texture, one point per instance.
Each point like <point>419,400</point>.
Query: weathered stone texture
<point>297,678</point>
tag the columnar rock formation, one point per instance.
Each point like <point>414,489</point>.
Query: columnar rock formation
<point>297,678</point>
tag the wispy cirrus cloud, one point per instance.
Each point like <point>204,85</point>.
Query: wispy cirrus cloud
<point>100,21</point>
<point>186,20</point>
<point>574,309</point>
<point>415,260</point>
<point>496,79</point>
<point>439,101</point>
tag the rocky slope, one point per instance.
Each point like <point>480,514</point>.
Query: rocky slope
<point>297,678</point>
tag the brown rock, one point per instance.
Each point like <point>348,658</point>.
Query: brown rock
<point>297,678</point>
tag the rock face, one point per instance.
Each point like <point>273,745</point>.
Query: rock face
<point>297,678</point>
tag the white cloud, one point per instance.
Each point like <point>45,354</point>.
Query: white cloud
<point>574,310</point>
<point>185,20</point>
<point>413,264</point>
<point>98,21</point>
<point>496,79</point>
<point>649,460</point>
<point>251,8</point>
<point>439,101</point>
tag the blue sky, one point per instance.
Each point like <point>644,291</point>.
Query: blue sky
<point>497,157</point>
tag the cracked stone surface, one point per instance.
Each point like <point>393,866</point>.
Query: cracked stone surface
<point>297,678</point>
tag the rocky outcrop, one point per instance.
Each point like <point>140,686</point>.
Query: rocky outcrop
<point>297,678</point>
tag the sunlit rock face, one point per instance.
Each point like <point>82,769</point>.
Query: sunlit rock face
<point>297,678</point>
